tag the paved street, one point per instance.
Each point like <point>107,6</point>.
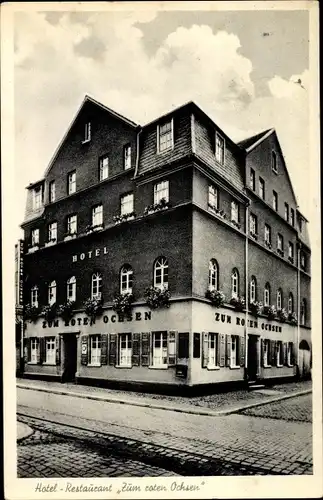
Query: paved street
<point>179,442</point>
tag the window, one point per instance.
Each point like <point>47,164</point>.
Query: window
<point>275,201</point>
<point>301,225</point>
<point>267,295</point>
<point>234,211</point>
<point>253,289</point>
<point>104,168</point>
<point>280,243</point>
<point>279,353</point>
<point>159,348</point>
<point>213,200</point>
<point>161,273</point>
<point>290,353</point>
<point>52,191</point>
<point>34,237</point>
<point>37,197</point>
<point>219,148</point>
<point>290,251</point>
<point>303,312</point>
<point>71,289</point>
<point>52,232</point>
<point>87,132</point>
<point>72,224</point>
<point>50,349</point>
<point>127,157</point>
<point>213,349</point>
<point>34,350</point>
<point>71,182</point>
<point>52,293</point>
<point>266,345</point>
<point>274,162</point>
<point>234,361</point>
<point>261,188</point>
<point>303,261</point>
<point>292,217</point>
<point>253,224</point>
<point>252,179</point>
<point>126,204</point>
<point>235,283</point>
<point>279,299</point>
<point>97,216</point>
<point>34,296</point>
<point>290,303</point>
<point>267,234</point>
<point>126,279</point>
<point>95,350</point>
<point>165,136</point>
<point>161,191</point>
<point>96,288</point>
<point>286,211</point>
<point>125,350</point>
<point>213,275</point>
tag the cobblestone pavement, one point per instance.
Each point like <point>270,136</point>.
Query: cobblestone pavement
<point>291,410</point>
<point>236,442</point>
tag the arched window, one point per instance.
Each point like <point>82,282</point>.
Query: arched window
<point>96,289</point>
<point>303,312</point>
<point>290,303</point>
<point>235,283</point>
<point>213,275</point>
<point>126,279</point>
<point>279,299</point>
<point>253,289</point>
<point>71,289</point>
<point>267,295</point>
<point>34,296</point>
<point>52,293</point>
<point>161,273</point>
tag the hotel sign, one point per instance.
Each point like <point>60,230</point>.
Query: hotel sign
<point>226,318</point>
<point>90,254</point>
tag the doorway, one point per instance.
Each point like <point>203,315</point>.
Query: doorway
<point>70,358</point>
<point>252,357</point>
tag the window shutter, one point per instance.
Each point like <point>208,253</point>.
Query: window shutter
<point>262,354</point>
<point>196,345</point>
<point>293,353</point>
<point>113,349</point>
<point>145,349</point>
<point>222,350</point>
<point>41,353</point>
<point>27,350</point>
<point>183,345</point>
<point>228,350</point>
<point>205,349</point>
<point>272,352</point>
<point>241,350</point>
<point>104,349</point>
<point>58,350</point>
<point>135,358</point>
<point>171,347</point>
<point>285,353</point>
<point>84,349</point>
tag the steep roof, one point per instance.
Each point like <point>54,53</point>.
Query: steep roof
<point>249,142</point>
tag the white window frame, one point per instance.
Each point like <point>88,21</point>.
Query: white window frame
<point>161,270</point>
<point>127,156</point>
<point>34,350</point>
<point>274,162</point>
<point>289,353</point>
<point>34,237</point>
<point>127,204</point>
<point>52,231</point>
<point>234,211</point>
<point>126,279</point>
<point>253,224</point>
<point>96,286</point>
<point>95,350</point>
<point>213,196</point>
<point>97,215</point>
<point>52,191</point>
<point>266,345</point>
<point>125,349</point>
<point>267,233</point>
<point>52,292</point>
<point>253,289</point>
<point>34,293</point>
<point>275,201</point>
<point>234,358</point>
<point>87,132</point>
<point>280,242</point>
<point>290,250</point>
<point>72,224</point>
<point>71,289</point>
<point>37,197</point>
<point>234,283</point>
<point>50,351</point>
<point>104,168</point>
<point>290,303</point>
<point>71,182</point>
<point>160,353</point>
<point>252,179</point>
<point>261,188</point>
<point>168,134</point>
<point>213,350</point>
<point>161,190</point>
<point>213,275</point>
<point>279,353</point>
<point>267,295</point>
<point>279,301</point>
<point>219,148</point>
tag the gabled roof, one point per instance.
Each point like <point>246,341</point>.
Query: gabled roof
<point>249,143</point>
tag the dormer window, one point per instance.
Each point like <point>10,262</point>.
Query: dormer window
<point>37,197</point>
<point>219,149</point>
<point>274,162</point>
<point>87,132</point>
<point>165,136</point>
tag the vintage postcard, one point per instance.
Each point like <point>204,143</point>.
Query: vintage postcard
<point>161,256</point>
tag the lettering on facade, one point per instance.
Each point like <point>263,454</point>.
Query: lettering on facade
<point>85,321</point>
<point>89,254</point>
<point>226,318</point>
<point>21,273</point>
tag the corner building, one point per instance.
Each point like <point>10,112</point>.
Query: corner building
<point>175,205</point>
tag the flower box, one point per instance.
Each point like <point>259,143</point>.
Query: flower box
<point>254,236</point>
<point>155,207</point>
<point>268,244</point>
<point>66,310</point>
<point>280,252</point>
<point>70,237</point>
<point>93,307</point>
<point>122,303</point>
<point>270,311</point>
<point>282,315</point>
<point>235,223</point>
<point>292,318</point>
<point>238,303</point>
<point>216,297</point>
<point>118,219</point>
<point>217,211</point>
<point>50,243</point>
<point>291,260</point>
<point>31,313</point>
<point>33,249</point>
<point>157,297</point>
<point>49,312</point>
<point>255,308</point>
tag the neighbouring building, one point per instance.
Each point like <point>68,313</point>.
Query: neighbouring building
<point>165,255</point>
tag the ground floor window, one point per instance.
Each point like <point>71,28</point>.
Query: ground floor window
<point>50,350</point>
<point>266,351</point>
<point>213,349</point>
<point>290,353</point>
<point>160,348</point>
<point>125,349</point>
<point>279,353</point>
<point>95,350</point>
<point>234,350</point>
<point>34,350</point>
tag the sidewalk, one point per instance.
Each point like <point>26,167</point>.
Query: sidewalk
<point>211,405</point>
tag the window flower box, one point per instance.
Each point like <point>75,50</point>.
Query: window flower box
<point>93,307</point>
<point>49,312</point>
<point>70,236</point>
<point>280,252</point>
<point>282,315</point>
<point>66,310</point>
<point>33,248</point>
<point>155,207</point>
<point>235,224</point>
<point>268,244</point>
<point>97,227</point>
<point>217,211</point>
<point>238,303</point>
<point>291,259</point>
<point>292,318</point>
<point>216,297</point>
<point>122,303</point>
<point>255,308</point>
<point>270,311</point>
<point>31,313</point>
<point>254,235</point>
<point>157,297</point>
<point>51,242</point>
<point>118,219</point>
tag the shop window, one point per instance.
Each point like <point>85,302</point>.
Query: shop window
<point>213,350</point>
<point>267,295</point>
<point>160,349</point>
<point>213,275</point>
<point>219,148</point>
<point>95,350</point>
<point>235,283</point>
<point>127,156</point>
<point>161,273</point>
<point>71,182</point>
<point>96,288</point>
<point>50,351</point>
<point>34,350</point>
<point>234,361</point>
<point>104,168</point>
<point>126,279</point>
<point>279,299</point>
<point>161,191</point>
<point>253,289</point>
<point>52,293</point>
<point>71,289</point>
<point>165,136</point>
<point>125,349</point>
<point>34,296</point>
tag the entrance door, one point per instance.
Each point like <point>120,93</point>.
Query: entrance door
<point>252,357</point>
<point>70,358</point>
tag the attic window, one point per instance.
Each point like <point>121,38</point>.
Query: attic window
<point>87,132</point>
<point>37,197</point>
<point>219,148</point>
<point>165,136</point>
<point>274,162</point>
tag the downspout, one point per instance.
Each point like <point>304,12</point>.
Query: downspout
<point>137,155</point>
<point>246,290</point>
<point>298,303</point>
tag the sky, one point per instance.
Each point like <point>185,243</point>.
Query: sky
<point>240,67</point>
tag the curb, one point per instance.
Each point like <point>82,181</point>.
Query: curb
<point>157,406</point>
<point>25,431</point>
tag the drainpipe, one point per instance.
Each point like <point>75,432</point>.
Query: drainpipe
<point>298,301</point>
<point>246,290</point>
<point>137,155</point>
